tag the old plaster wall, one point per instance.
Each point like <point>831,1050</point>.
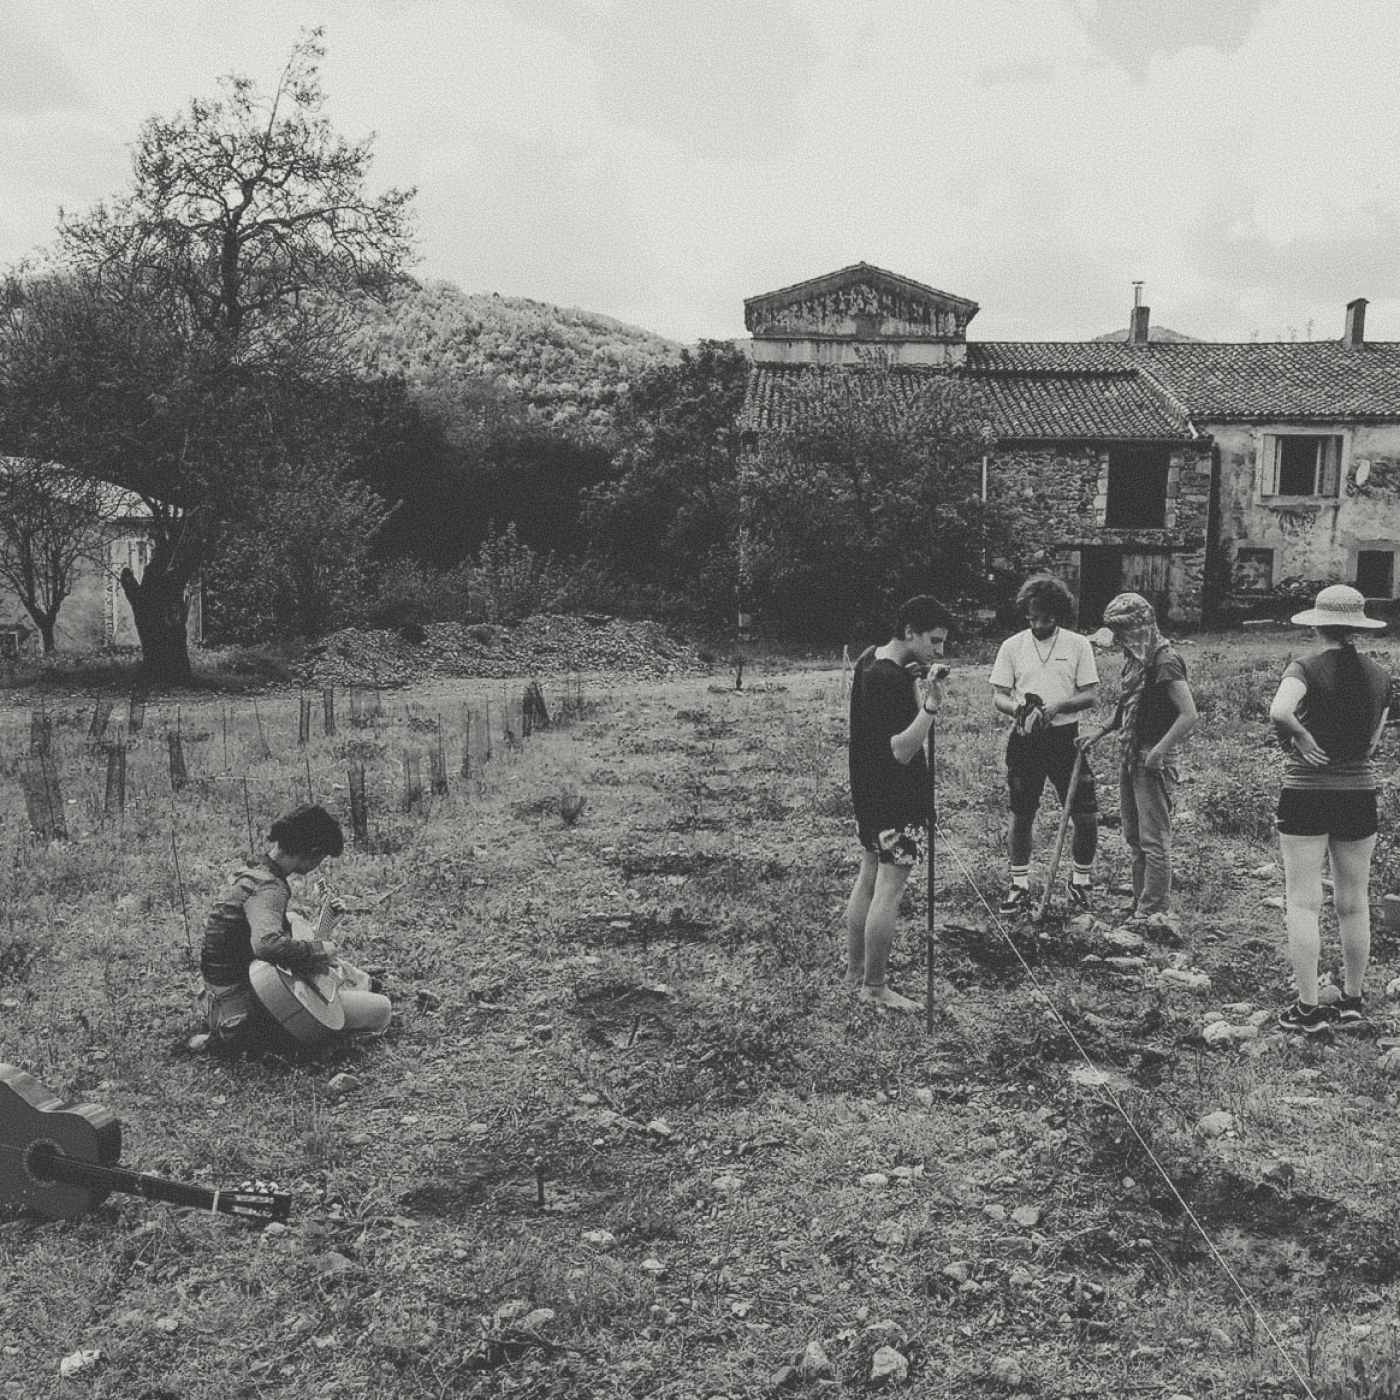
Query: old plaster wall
<point>1058,496</point>
<point>1312,537</point>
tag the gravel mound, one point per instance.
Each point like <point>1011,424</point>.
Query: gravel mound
<point>548,644</point>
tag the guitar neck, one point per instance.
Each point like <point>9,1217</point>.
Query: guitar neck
<point>246,1201</point>
<point>325,920</point>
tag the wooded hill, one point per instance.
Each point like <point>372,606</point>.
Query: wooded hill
<point>567,366</point>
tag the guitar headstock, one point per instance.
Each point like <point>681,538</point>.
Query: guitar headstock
<point>255,1200</point>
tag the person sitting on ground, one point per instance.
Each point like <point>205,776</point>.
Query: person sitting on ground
<point>1329,713</point>
<point>1156,711</point>
<point>1043,678</point>
<point>250,920</point>
<point>892,709</point>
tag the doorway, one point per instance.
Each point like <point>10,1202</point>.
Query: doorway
<point>1107,570</point>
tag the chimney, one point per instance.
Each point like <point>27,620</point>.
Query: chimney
<point>1137,327</point>
<point>1355,333</point>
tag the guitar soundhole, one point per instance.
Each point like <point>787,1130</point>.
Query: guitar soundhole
<point>39,1151</point>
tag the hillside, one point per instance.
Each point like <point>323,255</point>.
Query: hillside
<point>567,366</point>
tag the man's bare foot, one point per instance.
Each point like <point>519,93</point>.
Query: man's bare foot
<point>885,996</point>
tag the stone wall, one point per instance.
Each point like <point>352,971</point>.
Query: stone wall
<point>1058,498</point>
<point>1315,538</point>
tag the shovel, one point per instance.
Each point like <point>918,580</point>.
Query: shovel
<point>1060,839</point>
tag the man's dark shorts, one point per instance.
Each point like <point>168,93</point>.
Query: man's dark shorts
<point>1031,759</point>
<point>905,846</point>
<point>1344,815</point>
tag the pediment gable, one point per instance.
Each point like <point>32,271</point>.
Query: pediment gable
<point>860,302</point>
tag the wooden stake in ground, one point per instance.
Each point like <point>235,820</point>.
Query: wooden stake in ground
<point>304,720</point>
<point>178,776</point>
<point>40,732</point>
<point>184,907</point>
<point>43,797</point>
<point>1060,839</point>
<point>223,710</point>
<point>437,761</point>
<point>135,712</point>
<point>328,710</point>
<point>310,791</point>
<point>359,805</point>
<point>262,733</point>
<point>930,935</point>
<point>97,728</point>
<point>536,713</point>
<point>114,798</point>
<point>412,780</point>
<point>248,813</point>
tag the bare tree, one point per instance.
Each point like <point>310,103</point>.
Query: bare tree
<point>51,523</point>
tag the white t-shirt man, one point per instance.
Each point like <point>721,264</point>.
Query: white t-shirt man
<point>1055,670</point>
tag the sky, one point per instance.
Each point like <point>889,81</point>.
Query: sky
<point>661,160</point>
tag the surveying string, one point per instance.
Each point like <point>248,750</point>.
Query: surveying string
<point>1101,1082</point>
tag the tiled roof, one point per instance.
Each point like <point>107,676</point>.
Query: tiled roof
<point>768,399</point>
<point>1116,404</point>
<point>1212,382</point>
<point>1070,406</point>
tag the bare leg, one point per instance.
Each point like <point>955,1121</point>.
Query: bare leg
<point>1351,893</point>
<point>1302,873</point>
<point>857,908</point>
<point>880,924</point>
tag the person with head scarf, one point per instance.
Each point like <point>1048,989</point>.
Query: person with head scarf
<point>1043,679</point>
<point>1329,713</point>
<point>1156,711</point>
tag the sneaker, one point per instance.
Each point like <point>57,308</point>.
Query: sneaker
<point>1080,894</point>
<point>1017,900</point>
<point>1313,1021</point>
<point>1350,1014</point>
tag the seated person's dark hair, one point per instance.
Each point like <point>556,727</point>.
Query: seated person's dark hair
<point>306,830</point>
<point>922,614</point>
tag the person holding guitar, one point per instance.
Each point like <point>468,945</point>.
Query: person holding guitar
<point>251,945</point>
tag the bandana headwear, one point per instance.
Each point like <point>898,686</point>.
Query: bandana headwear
<point>1131,613</point>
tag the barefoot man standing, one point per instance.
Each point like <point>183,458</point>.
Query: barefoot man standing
<point>892,709</point>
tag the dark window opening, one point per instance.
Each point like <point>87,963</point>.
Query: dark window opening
<point>1302,464</point>
<point>1254,570</point>
<point>1137,488</point>
<point>1375,573</point>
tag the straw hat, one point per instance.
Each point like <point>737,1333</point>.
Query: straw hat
<point>1337,606</point>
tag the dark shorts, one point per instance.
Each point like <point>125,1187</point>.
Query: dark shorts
<point>1345,815</point>
<point>1031,759</point>
<point>896,845</point>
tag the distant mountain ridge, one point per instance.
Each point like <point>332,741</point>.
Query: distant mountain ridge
<point>567,366</point>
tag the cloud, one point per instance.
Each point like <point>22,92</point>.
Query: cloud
<point>725,78</point>
<point>1132,33</point>
<point>525,216</point>
<point>37,77</point>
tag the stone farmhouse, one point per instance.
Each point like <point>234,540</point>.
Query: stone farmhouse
<point>1206,476</point>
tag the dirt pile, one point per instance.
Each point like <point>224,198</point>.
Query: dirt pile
<point>547,644</point>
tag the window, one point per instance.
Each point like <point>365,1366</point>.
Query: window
<point>1137,488</point>
<point>1254,570</point>
<point>1301,464</point>
<point>1375,573</point>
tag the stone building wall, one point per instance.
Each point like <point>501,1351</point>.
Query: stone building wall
<point>1058,496</point>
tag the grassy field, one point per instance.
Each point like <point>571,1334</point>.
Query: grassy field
<point>629,1135</point>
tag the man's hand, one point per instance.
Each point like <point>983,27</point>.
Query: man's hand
<point>1085,741</point>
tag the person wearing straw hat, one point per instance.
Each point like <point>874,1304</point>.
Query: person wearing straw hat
<point>1329,713</point>
<point>1156,711</point>
<point>895,692</point>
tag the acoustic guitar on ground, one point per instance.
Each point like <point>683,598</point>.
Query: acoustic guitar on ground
<point>307,1007</point>
<point>59,1159</point>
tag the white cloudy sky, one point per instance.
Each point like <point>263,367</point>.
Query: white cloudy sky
<point>660,160</point>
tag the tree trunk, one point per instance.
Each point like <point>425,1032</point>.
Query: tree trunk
<point>160,610</point>
<point>46,636</point>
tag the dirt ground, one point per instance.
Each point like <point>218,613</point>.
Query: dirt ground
<point>631,1135</point>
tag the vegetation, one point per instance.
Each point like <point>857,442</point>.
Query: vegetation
<point>184,330</point>
<point>867,492</point>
